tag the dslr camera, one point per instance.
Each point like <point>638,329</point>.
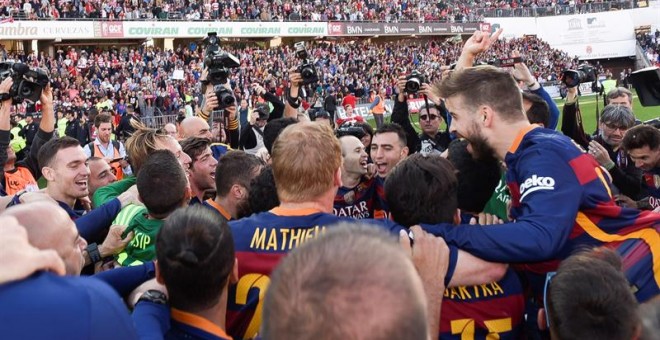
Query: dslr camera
<point>218,64</point>
<point>28,83</point>
<point>414,81</point>
<point>306,68</point>
<point>584,73</point>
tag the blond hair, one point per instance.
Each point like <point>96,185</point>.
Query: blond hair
<point>305,159</point>
<point>141,143</point>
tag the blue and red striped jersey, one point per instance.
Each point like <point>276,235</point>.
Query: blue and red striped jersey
<point>561,203</point>
<point>651,182</point>
<point>490,311</point>
<point>261,241</point>
<point>356,202</point>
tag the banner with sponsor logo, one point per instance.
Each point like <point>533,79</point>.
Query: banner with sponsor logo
<point>370,28</point>
<point>590,36</point>
<point>175,29</point>
<point>26,30</point>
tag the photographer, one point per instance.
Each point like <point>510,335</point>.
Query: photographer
<point>605,145</point>
<point>44,134</point>
<point>210,103</point>
<point>251,137</point>
<point>293,95</point>
<point>431,115</point>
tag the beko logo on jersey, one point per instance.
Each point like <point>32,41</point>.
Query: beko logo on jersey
<point>536,183</point>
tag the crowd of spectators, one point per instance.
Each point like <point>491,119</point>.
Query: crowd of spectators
<point>650,42</point>
<point>493,225</point>
<point>285,10</point>
<point>143,76</point>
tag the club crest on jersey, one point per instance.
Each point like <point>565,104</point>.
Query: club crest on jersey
<point>349,197</point>
<point>536,183</point>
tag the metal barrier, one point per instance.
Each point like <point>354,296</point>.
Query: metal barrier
<point>157,122</point>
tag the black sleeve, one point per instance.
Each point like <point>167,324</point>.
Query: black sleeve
<point>628,180</point>
<point>247,140</point>
<point>278,106</point>
<point>233,138</point>
<point>5,139</point>
<point>571,124</point>
<point>31,161</point>
<point>401,117</point>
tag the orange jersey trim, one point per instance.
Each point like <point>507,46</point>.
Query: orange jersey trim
<point>198,322</point>
<point>520,136</point>
<point>219,208</point>
<point>294,212</point>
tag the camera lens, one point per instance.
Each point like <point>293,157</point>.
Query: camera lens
<point>26,91</point>
<point>307,72</point>
<point>413,85</point>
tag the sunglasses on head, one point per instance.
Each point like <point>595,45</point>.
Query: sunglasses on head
<point>427,117</point>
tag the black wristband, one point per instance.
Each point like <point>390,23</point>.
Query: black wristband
<point>93,252</point>
<point>294,102</point>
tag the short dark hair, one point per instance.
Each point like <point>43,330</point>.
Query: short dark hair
<point>422,189</point>
<point>485,85</point>
<point>194,147</point>
<point>162,183</point>
<point>477,178</point>
<point>396,128</point>
<point>366,127</point>
<point>640,136</point>
<point>539,112</point>
<point>49,150</point>
<point>590,298</point>
<point>195,253</point>
<point>619,92</point>
<point>235,167</point>
<point>274,128</point>
<point>263,192</point>
<point>102,118</point>
<point>314,291</point>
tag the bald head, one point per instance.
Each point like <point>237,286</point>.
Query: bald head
<point>195,127</point>
<point>49,227</point>
<point>170,129</point>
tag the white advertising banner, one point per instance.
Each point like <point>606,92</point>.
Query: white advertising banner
<point>614,49</point>
<point>176,29</point>
<point>586,29</point>
<point>513,27</point>
<point>46,30</point>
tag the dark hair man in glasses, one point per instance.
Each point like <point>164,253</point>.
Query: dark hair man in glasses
<point>431,140</point>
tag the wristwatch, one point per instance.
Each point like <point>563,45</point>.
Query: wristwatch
<point>155,296</point>
<point>4,96</point>
<point>93,253</point>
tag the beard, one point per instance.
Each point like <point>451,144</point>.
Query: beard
<point>243,209</point>
<point>481,150</point>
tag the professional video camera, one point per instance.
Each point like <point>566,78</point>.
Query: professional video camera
<point>28,83</point>
<point>584,73</point>
<point>306,68</point>
<point>349,129</point>
<point>218,64</point>
<point>414,81</point>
